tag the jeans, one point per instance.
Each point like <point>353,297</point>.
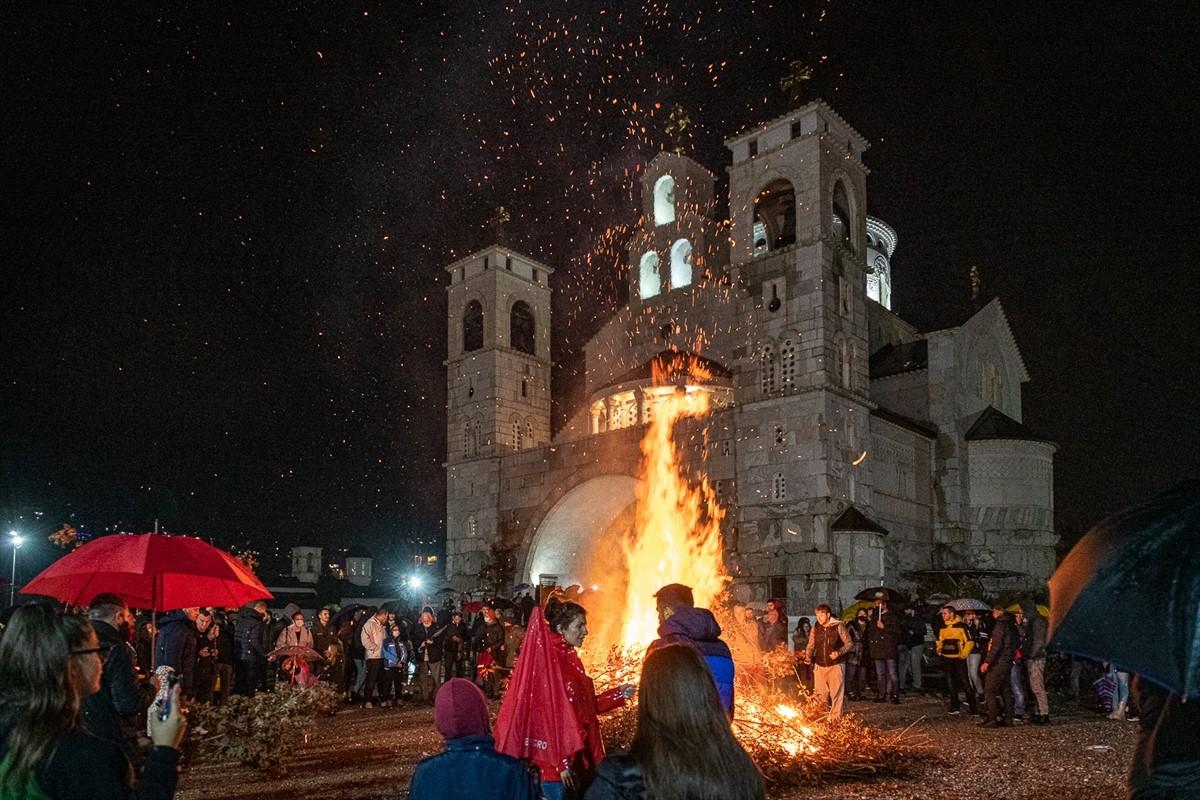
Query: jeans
<point>973,675</point>
<point>885,677</point>
<point>1018,691</point>
<point>916,657</point>
<point>360,674</point>
<point>901,666</point>
<point>553,791</point>
<point>1121,695</point>
<point>1036,670</point>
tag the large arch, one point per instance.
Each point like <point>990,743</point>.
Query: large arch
<point>564,543</point>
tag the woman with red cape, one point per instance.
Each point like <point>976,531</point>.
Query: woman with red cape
<point>549,714</point>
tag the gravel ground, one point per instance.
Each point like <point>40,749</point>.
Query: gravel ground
<point>369,755</point>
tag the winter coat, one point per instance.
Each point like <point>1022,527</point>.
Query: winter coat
<point>618,778</point>
<point>1002,644</point>
<point>249,634</point>
<point>489,638</point>
<point>699,628</point>
<point>224,643</point>
<point>120,695</point>
<point>395,652</point>
<point>290,637</point>
<point>953,641</point>
<point>884,643</point>
<point>470,768</point>
<point>372,636</point>
<point>325,637</point>
<point>978,635</point>
<point>1035,641</point>
<point>914,631</point>
<point>431,652</point>
<point>825,640</point>
<point>1166,757</point>
<point>81,766</point>
<point>175,647</point>
<point>581,694</point>
<point>858,635</point>
<point>455,638</point>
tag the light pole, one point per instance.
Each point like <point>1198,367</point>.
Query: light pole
<point>12,586</point>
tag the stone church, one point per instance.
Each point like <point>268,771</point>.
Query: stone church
<point>847,447</point>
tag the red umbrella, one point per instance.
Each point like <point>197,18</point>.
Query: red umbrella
<point>150,570</point>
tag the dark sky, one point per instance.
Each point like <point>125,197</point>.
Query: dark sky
<point>225,227</point>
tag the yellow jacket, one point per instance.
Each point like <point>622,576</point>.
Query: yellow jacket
<point>957,633</point>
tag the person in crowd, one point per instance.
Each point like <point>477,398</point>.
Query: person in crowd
<point>395,667</point>
<point>995,667</point>
<point>455,647</point>
<point>327,643</point>
<point>884,632</point>
<point>1016,678</point>
<point>525,607</point>
<point>683,747</point>
<point>372,635</point>
<point>979,636</point>
<point>911,660</point>
<point>772,629</point>
<point>111,712</point>
<point>514,635</point>
<point>680,621</point>
<point>143,642</point>
<point>223,644</point>
<point>469,768</point>
<point>295,635</point>
<point>1120,704</point>
<point>206,657</point>
<point>828,646</point>
<point>49,664</point>
<point>857,670</point>
<point>1166,756</point>
<point>427,655</point>
<point>491,652</point>
<point>175,646</point>
<point>1035,659</point>
<point>804,668</point>
<point>954,645</point>
<point>295,669</point>
<point>252,656</point>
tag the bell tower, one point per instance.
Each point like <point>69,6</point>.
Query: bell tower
<point>498,387</point>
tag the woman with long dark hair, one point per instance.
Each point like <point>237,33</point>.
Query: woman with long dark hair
<point>50,662</point>
<point>683,748</point>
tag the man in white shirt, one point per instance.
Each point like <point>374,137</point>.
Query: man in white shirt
<point>372,636</point>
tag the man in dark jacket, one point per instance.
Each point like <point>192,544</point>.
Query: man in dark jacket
<point>680,621</point>
<point>1034,655</point>
<point>997,689</point>
<point>110,713</point>
<point>252,656</point>
<point>175,646</point>
<point>456,647</point>
<point>491,650</point>
<point>469,767</point>
<point>427,641</point>
<point>911,659</point>
<point>884,632</point>
<point>327,643</point>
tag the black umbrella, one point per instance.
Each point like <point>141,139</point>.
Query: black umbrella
<point>1127,592</point>
<point>884,593</point>
<point>449,590</point>
<point>345,613</point>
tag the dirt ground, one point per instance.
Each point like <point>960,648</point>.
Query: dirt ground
<point>370,755</point>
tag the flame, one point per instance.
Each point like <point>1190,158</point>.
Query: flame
<point>677,535</point>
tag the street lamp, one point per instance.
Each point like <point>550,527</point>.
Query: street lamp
<point>16,545</point>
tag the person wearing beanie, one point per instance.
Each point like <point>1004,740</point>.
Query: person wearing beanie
<point>469,768</point>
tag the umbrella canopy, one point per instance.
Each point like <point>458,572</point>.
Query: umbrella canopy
<point>449,590</point>
<point>1043,610</point>
<point>520,587</point>
<point>345,613</point>
<point>852,610</point>
<point>884,593</point>
<point>296,651</point>
<point>969,604</point>
<point>1126,593</point>
<point>150,570</point>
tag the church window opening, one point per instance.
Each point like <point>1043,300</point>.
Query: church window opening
<point>521,328</point>
<point>508,263</point>
<point>472,526</point>
<point>775,209</point>
<point>780,435</point>
<point>844,306</point>
<point>681,264</point>
<point>766,368</point>
<point>787,363</point>
<point>760,238</point>
<point>599,417</point>
<point>990,384</point>
<point>535,276</point>
<point>471,387</point>
<point>842,221</point>
<point>473,326</point>
<point>649,282</point>
<point>753,147</point>
<point>529,442</point>
<point>664,200</point>
<point>517,434</point>
<point>524,387</point>
<point>778,487</point>
<point>725,447</point>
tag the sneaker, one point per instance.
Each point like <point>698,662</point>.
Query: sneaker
<point>955,713</point>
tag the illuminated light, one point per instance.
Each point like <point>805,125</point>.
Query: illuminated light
<point>415,581</point>
<point>860,459</point>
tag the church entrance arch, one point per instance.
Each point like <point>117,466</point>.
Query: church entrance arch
<point>565,545</point>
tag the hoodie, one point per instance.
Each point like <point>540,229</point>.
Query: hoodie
<point>699,628</point>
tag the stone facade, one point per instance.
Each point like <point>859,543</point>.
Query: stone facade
<point>830,401</point>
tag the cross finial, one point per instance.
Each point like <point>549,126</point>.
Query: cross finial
<point>500,217</point>
<point>678,123</point>
<point>794,82</point>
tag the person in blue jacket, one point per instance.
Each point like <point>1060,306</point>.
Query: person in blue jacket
<point>469,768</point>
<point>680,621</point>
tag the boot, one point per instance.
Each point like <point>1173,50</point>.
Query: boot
<point>1118,712</point>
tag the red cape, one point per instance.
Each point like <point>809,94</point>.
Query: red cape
<point>536,721</point>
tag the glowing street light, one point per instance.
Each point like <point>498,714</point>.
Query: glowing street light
<point>17,541</point>
<point>416,582</point>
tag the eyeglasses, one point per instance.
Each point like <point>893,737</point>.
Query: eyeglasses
<point>102,650</point>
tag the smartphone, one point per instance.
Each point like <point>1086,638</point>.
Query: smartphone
<point>165,711</point>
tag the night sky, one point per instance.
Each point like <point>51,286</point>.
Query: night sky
<point>225,227</point>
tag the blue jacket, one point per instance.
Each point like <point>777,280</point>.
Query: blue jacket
<point>175,646</point>
<point>471,769</point>
<point>699,628</point>
<point>248,629</point>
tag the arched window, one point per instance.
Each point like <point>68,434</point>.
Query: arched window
<point>518,434</point>
<point>842,220</point>
<point>766,369</point>
<point>529,442</point>
<point>787,363</point>
<point>473,326</point>
<point>664,200</point>
<point>521,331</point>
<point>775,210</point>
<point>681,264</point>
<point>599,417</point>
<point>778,487</point>
<point>649,282</point>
